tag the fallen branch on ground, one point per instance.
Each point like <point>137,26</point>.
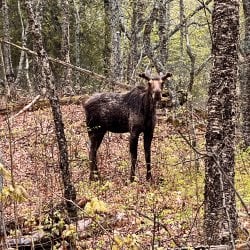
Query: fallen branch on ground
<point>26,107</point>
<point>38,103</point>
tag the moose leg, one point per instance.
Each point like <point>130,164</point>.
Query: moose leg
<point>147,149</point>
<point>133,152</point>
<point>95,142</point>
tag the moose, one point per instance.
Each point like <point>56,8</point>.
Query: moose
<point>133,112</point>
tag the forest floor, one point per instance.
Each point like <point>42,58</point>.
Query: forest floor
<point>114,213</point>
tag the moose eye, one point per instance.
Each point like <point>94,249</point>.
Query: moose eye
<point>165,94</point>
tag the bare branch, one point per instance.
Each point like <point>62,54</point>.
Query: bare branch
<point>26,107</point>
<point>178,26</point>
<point>65,64</point>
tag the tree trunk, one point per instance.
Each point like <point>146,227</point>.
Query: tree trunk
<point>182,16</point>
<point>6,50</point>
<point>220,221</point>
<point>147,38</point>
<point>23,61</point>
<point>47,77</point>
<point>163,30</point>
<point>245,83</point>
<point>116,60</point>
<point>112,50</point>
<point>65,48</point>
<point>160,15</point>
<point>136,38</point>
<point>2,229</point>
<point>107,38</point>
<point>77,41</point>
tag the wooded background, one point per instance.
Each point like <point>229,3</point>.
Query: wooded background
<point>117,39</point>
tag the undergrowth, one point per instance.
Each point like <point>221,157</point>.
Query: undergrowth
<point>113,213</point>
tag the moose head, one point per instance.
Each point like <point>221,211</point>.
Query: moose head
<point>155,84</point>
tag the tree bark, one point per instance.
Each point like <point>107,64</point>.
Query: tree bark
<point>77,41</point>
<point>149,51</point>
<point>9,85</point>
<point>137,24</point>
<point>163,30</point>
<point>220,221</point>
<point>112,48</point>
<point>245,83</point>
<point>159,15</point>
<point>107,38</point>
<point>23,67</point>
<point>48,79</point>
<point>182,16</point>
<point>65,48</point>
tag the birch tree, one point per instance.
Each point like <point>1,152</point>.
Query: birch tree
<point>65,47</point>
<point>77,39</point>
<point>220,222</point>
<point>9,85</point>
<point>245,83</point>
<point>48,82</point>
<point>112,51</point>
<point>135,42</point>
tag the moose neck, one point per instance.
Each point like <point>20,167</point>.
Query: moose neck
<point>150,103</point>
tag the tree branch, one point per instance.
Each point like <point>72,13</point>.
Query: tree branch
<point>220,168</point>
<point>65,64</point>
<point>178,26</point>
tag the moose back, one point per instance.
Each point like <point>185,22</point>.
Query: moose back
<point>133,112</point>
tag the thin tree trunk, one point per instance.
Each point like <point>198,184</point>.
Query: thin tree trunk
<point>160,15</point>
<point>65,48</point>
<point>107,38</point>
<point>163,30</point>
<point>47,77</point>
<point>116,55</point>
<point>182,16</point>
<point>112,50</point>
<point>77,40</point>
<point>220,221</point>
<point>1,175</point>
<point>137,23</point>
<point>245,83</point>
<point>192,58</point>
<point>6,50</point>
<point>147,39</point>
<point>26,72</point>
<point>24,60</point>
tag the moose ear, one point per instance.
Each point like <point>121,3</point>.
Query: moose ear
<point>167,75</point>
<point>144,76</point>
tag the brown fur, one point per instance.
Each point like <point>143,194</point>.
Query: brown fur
<point>132,112</point>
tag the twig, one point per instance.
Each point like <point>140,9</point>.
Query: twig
<point>78,207</point>
<point>205,12</point>
<point>195,218</point>
<point>186,140</point>
<point>186,161</point>
<point>231,184</point>
<point>159,224</point>
<point>214,157</point>
<point>177,27</point>
<point>202,66</point>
